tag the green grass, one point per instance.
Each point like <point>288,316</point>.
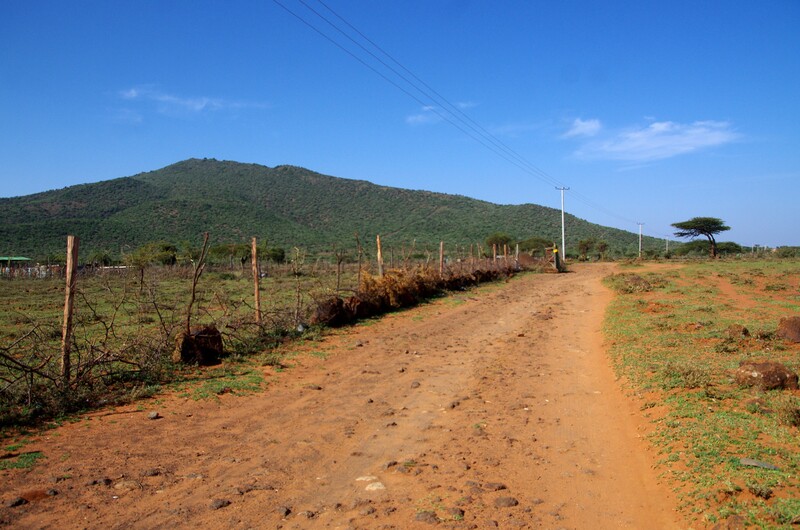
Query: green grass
<point>239,382</point>
<point>23,461</point>
<point>669,341</point>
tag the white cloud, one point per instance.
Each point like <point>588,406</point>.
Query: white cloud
<point>659,140</point>
<point>170,103</point>
<point>428,115</point>
<point>583,128</point>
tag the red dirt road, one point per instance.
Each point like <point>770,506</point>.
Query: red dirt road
<point>495,408</point>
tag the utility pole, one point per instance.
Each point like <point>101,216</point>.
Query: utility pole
<point>640,239</point>
<point>563,239</point>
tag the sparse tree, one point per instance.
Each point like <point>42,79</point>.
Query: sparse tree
<point>602,248</point>
<point>535,245</point>
<point>498,239</point>
<point>702,226</point>
<point>584,247</point>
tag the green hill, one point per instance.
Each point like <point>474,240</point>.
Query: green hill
<point>289,206</point>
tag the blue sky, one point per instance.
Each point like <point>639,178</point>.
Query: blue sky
<point>650,111</point>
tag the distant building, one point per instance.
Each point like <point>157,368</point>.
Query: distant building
<point>12,265</point>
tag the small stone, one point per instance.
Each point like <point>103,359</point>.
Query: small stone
<point>733,522</point>
<point>358,502</point>
<point>359,344</point>
<point>153,416</point>
<point>375,486</point>
<point>19,501</point>
<point>313,387</point>
<point>765,375</point>
<point>369,510</point>
<point>154,472</point>
<point>757,463</point>
<point>216,504</point>
<point>737,331</point>
<point>453,404</point>
<point>427,517</point>
<point>415,384</point>
<point>390,463</point>
<point>284,511</point>
<point>463,501</point>
<point>494,486</point>
<point>127,485</point>
<point>457,513</point>
<point>505,502</point>
<point>789,329</point>
<point>52,492</point>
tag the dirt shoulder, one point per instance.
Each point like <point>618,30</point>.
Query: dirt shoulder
<point>492,408</point>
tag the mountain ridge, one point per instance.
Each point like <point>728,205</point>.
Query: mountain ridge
<point>287,205</point>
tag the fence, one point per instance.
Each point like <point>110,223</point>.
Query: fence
<point>126,319</point>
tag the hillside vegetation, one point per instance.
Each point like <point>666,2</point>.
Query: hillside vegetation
<point>287,205</point>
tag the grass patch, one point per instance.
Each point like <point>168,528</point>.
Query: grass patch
<point>670,339</point>
<point>23,461</point>
<point>628,282</point>
<point>235,382</point>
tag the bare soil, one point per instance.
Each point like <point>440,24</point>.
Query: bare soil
<point>494,408</point>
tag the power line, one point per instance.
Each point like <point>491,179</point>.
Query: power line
<point>466,125</point>
<point>442,100</point>
<point>449,112</point>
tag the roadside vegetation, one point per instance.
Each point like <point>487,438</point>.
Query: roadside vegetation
<point>128,323</point>
<point>676,336</point>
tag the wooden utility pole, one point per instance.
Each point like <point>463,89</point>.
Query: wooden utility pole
<point>66,330</point>
<point>254,265</point>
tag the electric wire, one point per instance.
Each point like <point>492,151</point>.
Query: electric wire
<point>404,90</point>
<point>450,112</point>
<point>434,95</point>
<point>475,132</point>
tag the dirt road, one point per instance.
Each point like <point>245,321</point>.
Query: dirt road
<point>495,408</point>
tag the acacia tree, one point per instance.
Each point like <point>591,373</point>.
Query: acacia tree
<point>602,247</point>
<point>702,226</point>
<point>584,247</point>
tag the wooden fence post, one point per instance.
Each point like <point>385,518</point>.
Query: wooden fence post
<point>380,256</point>
<point>441,258</point>
<point>66,330</point>
<point>254,265</point>
<point>360,253</point>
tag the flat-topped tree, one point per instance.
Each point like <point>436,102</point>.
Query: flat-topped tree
<point>702,226</point>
